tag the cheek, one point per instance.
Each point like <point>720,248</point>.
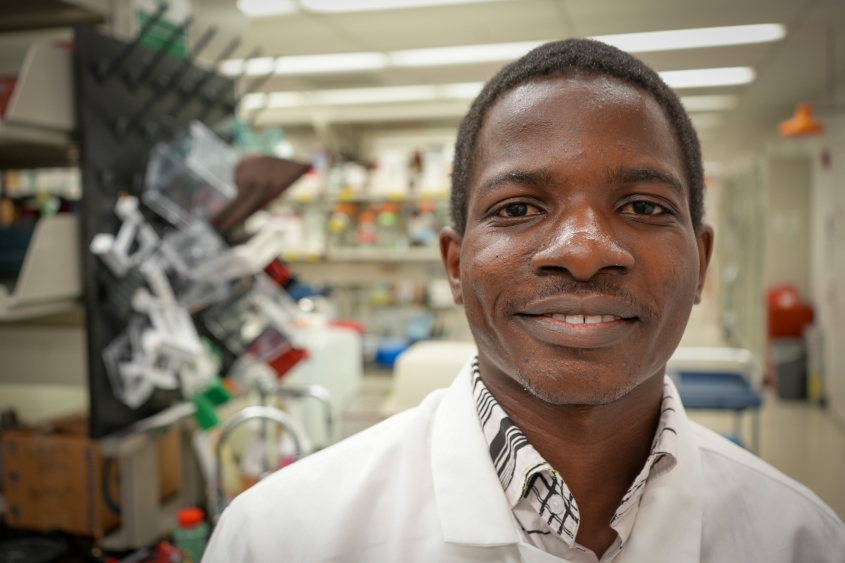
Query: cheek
<point>490,267</point>
<point>671,282</point>
<point>674,290</point>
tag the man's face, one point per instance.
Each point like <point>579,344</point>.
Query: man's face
<point>579,265</point>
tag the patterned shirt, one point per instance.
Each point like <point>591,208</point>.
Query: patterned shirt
<point>539,498</point>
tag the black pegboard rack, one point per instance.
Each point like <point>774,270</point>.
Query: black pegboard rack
<point>119,119</point>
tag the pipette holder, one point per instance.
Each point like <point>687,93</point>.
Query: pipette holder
<point>119,120</point>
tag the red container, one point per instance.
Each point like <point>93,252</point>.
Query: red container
<point>787,315</point>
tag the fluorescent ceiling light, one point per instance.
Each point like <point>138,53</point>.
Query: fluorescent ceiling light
<point>427,92</point>
<point>492,52</point>
<point>254,101</point>
<point>263,8</point>
<point>260,65</point>
<point>284,99</point>
<point>502,52</point>
<point>335,6</point>
<point>709,103</point>
<point>341,62</point>
<point>462,90</point>
<point>695,38</point>
<point>372,95</point>
<point>231,67</point>
<point>347,62</point>
<point>707,120</point>
<point>707,77</point>
<point>357,96</point>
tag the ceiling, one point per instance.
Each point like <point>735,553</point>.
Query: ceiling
<point>797,68</point>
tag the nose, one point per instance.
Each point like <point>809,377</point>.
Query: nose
<point>583,243</point>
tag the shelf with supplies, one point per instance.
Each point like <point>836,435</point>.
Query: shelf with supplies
<point>350,197</point>
<point>376,254</point>
<point>421,254</point>
<point>49,278</point>
<point>38,106</point>
<point>63,182</point>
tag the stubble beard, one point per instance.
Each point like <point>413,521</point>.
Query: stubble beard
<point>589,395</point>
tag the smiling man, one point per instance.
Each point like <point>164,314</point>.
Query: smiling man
<point>578,251</point>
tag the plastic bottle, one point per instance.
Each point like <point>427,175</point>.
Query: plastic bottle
<point>387,231</point>
<point>422,225</point>
<point>191,533</point>
<point>366,234</point>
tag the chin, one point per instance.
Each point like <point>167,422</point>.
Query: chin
<point>578,389</point>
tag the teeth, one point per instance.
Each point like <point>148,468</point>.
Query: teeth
<point>582,319</point>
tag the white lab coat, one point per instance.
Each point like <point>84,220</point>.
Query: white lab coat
<point>420,487</point>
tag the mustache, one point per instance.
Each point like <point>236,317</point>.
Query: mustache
<point>601,284</point>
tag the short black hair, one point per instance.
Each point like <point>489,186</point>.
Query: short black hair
<point>572,57</point>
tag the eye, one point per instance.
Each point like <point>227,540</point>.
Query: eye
<point>645,208</point>
<point>514,210</point>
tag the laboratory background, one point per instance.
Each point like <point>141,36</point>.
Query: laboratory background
<point>219,239</point>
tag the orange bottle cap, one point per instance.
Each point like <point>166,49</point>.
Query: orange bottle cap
<point>189,517</point>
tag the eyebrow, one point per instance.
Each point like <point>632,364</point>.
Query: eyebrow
<point>619,175</point>
<point>523,177</point>
<point>625,175</point>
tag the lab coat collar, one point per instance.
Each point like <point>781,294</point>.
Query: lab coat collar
<point>470,499</point>
<point>473,509</point>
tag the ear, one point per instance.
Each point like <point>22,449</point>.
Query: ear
<point>704,239</point>
<point>450,251</point>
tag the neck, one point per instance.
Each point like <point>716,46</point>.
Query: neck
<point>597,450</point>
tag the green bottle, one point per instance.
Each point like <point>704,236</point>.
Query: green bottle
<point>191,533</point>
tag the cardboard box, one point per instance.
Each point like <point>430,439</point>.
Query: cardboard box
<point>55,479</point>
<point>169,464</point>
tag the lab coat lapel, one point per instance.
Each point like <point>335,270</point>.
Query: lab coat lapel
<point>473,509</point>
<point>668,524</point>
<point>530,554</point>
<point>470,501</point>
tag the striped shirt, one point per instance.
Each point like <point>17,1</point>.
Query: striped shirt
<point>538,496</point>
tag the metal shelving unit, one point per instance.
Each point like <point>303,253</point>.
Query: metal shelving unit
<point>42,14</point>
<point>49,281</point>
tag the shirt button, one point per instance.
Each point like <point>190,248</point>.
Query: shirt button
<point>556,504</point>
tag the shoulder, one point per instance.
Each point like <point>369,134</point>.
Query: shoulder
<point>383,448</point>
<point>749,502</point>
<point>751,472</point>
<point>336,498</point>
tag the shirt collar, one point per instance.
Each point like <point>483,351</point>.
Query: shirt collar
<point>474,510</point>
<point>524,473</point>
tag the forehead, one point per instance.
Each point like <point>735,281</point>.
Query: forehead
<point>592,121</point>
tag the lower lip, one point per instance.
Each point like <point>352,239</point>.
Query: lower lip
<point>560,333</point>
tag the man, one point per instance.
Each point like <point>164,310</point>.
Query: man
<point>578,251</point>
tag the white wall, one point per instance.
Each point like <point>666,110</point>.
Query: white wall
<point>827,256</point>
<point>43,371</point>
<point>787,256</point>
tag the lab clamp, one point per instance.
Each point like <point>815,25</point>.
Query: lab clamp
<point>263,413</point>
<point>191,276</point>
<point>264,381</point>
<point>166,258</point>
<point>189,183</point>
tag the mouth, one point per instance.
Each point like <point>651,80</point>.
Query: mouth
<point>582,319</point>
<point>579,322</point>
